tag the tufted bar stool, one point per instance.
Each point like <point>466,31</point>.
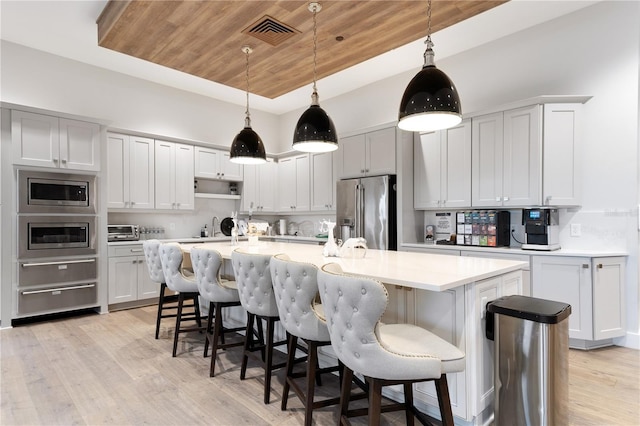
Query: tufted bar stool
<point>187,288</point>
<point>154,265</point>
<point>220,294</point>
<point>296,289</point>
<point>385,354</point>
<point>253,278</point>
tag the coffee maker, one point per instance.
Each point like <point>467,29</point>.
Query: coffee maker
<point>541,229</point>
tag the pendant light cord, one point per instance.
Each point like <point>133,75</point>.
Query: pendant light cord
<point>314,7</point>
<point>315,47</point>
<point>247,120</point>
<point>429,56</point>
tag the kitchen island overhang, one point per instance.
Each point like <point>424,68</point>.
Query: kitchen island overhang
<point>444,294</point>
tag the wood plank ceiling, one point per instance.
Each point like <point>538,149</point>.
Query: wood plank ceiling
<point>204,38</point>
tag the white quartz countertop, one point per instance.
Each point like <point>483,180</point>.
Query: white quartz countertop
<point>425,271</point>
<point>292,238</point>
<point>517,250</point>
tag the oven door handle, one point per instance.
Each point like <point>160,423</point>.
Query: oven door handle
<point>24,265</point>
<point>49,290</point>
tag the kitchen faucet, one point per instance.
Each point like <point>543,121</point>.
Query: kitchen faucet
<point>214,230</point>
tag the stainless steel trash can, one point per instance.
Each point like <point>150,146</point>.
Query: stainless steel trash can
<point>531,360</point>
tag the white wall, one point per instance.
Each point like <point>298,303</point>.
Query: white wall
<point>594,51</point>
<point>34,78</point>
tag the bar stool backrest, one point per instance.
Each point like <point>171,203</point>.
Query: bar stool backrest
<point>171,258</point>
<point>206,267</point>
<point>296,289</point>
<point>253,279</point>
<point>152,256</point>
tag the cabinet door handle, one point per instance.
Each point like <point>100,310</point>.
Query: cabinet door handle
<point>599,265</point>
<point>505,199</point>
<point>498,198</point>
<point>585,266</point>
<point>132,203</point>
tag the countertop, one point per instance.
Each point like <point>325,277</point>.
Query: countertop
<point>516,250</point>
<point>425,271</point>
<point>223,238</point>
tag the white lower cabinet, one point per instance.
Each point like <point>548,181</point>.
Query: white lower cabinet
<point>457,316</point>
<point>593,286</point>
<point>128,275</point>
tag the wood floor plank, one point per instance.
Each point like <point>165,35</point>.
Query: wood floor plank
<point>109,370</point>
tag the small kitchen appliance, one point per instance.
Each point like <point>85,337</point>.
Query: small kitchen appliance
<point>123,233</point>
<point>541,229</point>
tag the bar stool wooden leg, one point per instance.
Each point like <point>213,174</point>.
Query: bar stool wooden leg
<point>209,329</point>
<point>442,388</point>
<point>408,404</point>
<point>345,394</point>
<point>269,360</point>
<point>160,306</point>
<point>375,401</point>
<point>312,365</point>
<point>292,341</point>
<point>218,335</point>
<point>178,321</point>
<point>248,343</point>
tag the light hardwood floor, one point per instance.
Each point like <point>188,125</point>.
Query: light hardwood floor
<point>108,369</point>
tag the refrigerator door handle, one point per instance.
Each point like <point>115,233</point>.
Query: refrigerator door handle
<point>359,216</point>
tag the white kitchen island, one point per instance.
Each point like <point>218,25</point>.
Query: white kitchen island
<point>445,294</point>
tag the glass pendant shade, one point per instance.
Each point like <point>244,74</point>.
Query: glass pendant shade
<point>430,102</point>
<point>315,132</point>
<point>247,148</point>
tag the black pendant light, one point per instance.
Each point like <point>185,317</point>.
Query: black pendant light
<point>430,101</point>
<point>247,147</point>
<point>315,131</point>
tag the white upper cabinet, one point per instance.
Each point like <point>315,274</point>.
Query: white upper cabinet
<point>369,154</point>
<point>527,157</point>
<point>293,184</point>
<point>442,168</point>
<point>47,141</point>
<point>323,178</point>
<point>562,172</point>
<point>130,172</point>
<point>259,188</point>
<point>214,164</point>
<point>506,155</point>
<point>174,181</point>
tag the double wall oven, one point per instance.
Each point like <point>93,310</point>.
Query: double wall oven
<point>57,224</point>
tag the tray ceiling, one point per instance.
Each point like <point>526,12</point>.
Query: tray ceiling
<point>204,38</point>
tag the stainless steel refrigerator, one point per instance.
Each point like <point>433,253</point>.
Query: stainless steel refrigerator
<point>366,207</point>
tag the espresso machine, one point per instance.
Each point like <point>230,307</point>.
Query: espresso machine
<point>541,229</point>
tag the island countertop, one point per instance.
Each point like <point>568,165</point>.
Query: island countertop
<point>433,272</point>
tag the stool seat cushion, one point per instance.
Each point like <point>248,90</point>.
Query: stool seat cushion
<point>409,340</point>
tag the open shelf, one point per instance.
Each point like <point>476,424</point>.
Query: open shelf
<point>216,196</point>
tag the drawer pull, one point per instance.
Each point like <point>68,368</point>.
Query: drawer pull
<point>136,250</point>
<point>50,290</point>
<point>599,265</point>
<point>67,262</point>
<point>585,266</point>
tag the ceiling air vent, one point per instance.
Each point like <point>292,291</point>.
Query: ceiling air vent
<point>270,30</point>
